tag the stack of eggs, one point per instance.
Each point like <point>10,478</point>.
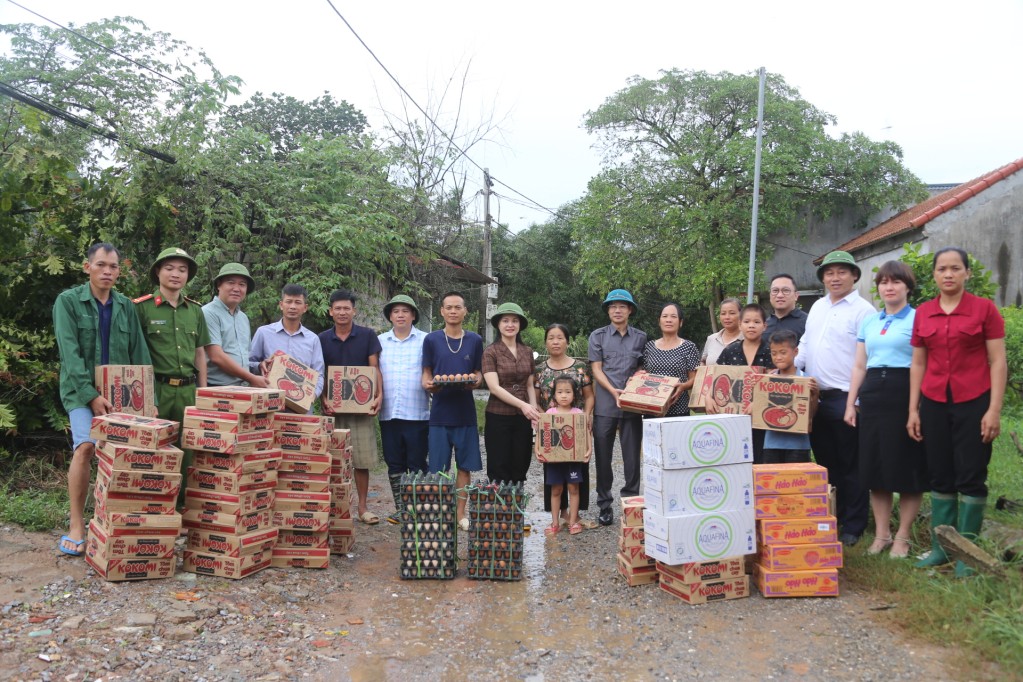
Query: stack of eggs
<point>428,539</point>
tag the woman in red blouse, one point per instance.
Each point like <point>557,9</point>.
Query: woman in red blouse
<point>956,385</point>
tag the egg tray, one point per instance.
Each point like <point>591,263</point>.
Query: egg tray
<point>500,570</point>
<point>429,539</point>
<point>496,529</point>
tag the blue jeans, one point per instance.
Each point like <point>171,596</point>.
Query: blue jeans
<point>81,424</point>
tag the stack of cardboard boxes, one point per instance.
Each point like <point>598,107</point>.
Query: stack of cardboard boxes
<point>303,500</point>
<point>797,535</point>
<point>633,563</point>
<point>699,517</point>
<point>496,527</point>
<point>429,543</point>
<point>132,535</point>
<point>229,494</point>
<point>342,492</point>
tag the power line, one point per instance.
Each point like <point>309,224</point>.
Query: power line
<point>100,45</point>
<point>405,92</point>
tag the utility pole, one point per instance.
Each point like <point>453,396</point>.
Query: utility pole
<point>756,186</point>
<point>488,269</point>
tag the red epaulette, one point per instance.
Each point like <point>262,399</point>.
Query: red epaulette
<point>140,299</point>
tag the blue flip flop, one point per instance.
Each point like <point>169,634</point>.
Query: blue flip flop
<point>76,543</point>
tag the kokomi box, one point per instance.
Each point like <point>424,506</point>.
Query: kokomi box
<point>309,424</point>
<point>235,524</point>
<point>301,520</point>
<point>230,503</point>
<point>295,379</point>
<point>227,443</point>
<point>340,439</point>
<point>242,463</point>
<point>161,483</point>
<point>632,511</point>
<point>792,506</point>
<point>164,459</point>
<point>801,557</point>
<point>132,502</point>
<point>291,500</point>
<point>677,540</point>
<point>674,492</point>
<point>299,557</point>
<point>630,536</point>
<point>302,442</point>
<point>341,543</point>
<point>789,479</point>
<point>117,570</point>
<point>129,388</point>
<point>635,557</point>
<point>696,396</point>
<point>135,545</point>
<point>698,441</point>
<point>822,582</point>
<point>225,482</point>
<point>148,433</point>
<point>797,531</point>
<point>295,480</point>
<point>231,544</point>
<point>303,539</point>
<point>350,389</point>
<point>240,399</point>
<point>304,463</point>
<point>223,566</point>
<point>645,575</point>
<point>782,403</point>
<point>703,592</point>
<point>729,387</point>
<point>226,422</point>
<point>647,393</point>
<point>122,523</point>
<point>705,571</point>
<point>562,438</point>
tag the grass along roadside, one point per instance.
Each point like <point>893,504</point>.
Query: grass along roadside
<point>34,495</point>
<point>983,615</point>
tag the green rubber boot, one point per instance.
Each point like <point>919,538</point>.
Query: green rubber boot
<point>944,512</point>
<point>971,516</point>
<point>395,518</point>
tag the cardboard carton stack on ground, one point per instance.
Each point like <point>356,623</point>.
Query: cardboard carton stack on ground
<point>342,492</point>
<point>229,493</point>
<point>633,563</point>
<point>496,527</point>
<point>699,518</point>
<point>797,536</point>
<point>132,535</point>
<point>429,542</point>
<point>302,505</point>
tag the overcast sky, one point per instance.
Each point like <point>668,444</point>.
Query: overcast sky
<point>939,78</point>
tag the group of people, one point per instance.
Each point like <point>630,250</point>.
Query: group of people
<point>909,401</point>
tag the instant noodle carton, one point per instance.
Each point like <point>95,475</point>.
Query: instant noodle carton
<point>290,500</point>
<point>116,570</point>
<point>677,540</point>
<point>295,379</point>
<point>789,479</point>
<point>244,463</point>
<point>309,424</point>
<point>644,575</point>
<point>303,462</point>
<point>792,506</point>
<point>166,459</point>
<point>119,522</point>
<point>239,399</point>
<point>703,592</point>
<point>132,481</point>
<point>632,511</point>
<point>231,544</point>
<point>341,541</point>
<point>782,403</point>
<point>630,536</point>
<point>226,482</point>
<point>299,557</point>
<point>705,571</point>
<point>821,582</point>
<point>147,433</point>
<point>562,438</point>
<point>230,503</point>
<point>303,539</point>
<point>350,389</point>
<point>340,439</point>
<point>129,388</point>
<point>296,480</point>
<point>226,422</point>
<point>635,557</point>
<point>129,543</point>
<point>674,492</point>
<point>227,443</point>
<point>225,567</point>
<point>302,520</point>
<point>730,388</point>
<point>696,396</point>
<point>801,557</point>
<point>797,531</point>
<point>232,524</point>
<point>647,393</point>
<point>302,442</point>
<point>697,441</point>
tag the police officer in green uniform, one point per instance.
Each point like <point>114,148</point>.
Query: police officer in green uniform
<point>175,330</point>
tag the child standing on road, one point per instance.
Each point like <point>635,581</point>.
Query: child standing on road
<point>781,447</point>
<point>561,474</point>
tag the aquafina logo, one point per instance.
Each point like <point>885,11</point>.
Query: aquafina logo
<point>708,443</point>
<point>708,490</point>
<point>713,537</point>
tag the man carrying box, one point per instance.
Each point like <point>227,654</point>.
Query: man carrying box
<point>348,344</point>
<point>230,334</point>
<point>94,325</point>
<point>176,334</point>
<point>288,335</point>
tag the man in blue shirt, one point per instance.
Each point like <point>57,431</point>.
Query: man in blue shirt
<point>228,325</point>
<point>454,350</point>
<point>288,335</point>
<point>347,344</point>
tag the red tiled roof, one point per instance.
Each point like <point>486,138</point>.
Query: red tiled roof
<point>925,211</point>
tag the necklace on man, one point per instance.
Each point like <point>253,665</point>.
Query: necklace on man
<point>448,344</point>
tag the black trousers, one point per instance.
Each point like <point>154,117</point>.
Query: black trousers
<point>785,456</point>
<point>509,442</point>
<point>956,457</point>
<point>836,448</point>
<point>630,432</point>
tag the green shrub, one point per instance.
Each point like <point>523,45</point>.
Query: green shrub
<point>979,283</point>
<point>1014,351</point>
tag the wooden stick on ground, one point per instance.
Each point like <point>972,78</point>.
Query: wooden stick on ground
<point>959,548</point>
<point>1015,441</point>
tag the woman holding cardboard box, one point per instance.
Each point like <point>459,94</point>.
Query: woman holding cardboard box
<point>890,461</point>
<point>511,411</point>
<point>956,413</point>
<point>673,356</point>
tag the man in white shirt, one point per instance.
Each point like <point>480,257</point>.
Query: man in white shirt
<point>827,352</point>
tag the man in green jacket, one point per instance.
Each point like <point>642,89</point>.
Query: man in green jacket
<point>94,325</point>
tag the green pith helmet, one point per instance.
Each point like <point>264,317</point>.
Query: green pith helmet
<point>173,252</point>
<point>403,300</point>
<point>839,258</point>
<point>620,296</point>
<point>509,309</point>
<point>234,269</point>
